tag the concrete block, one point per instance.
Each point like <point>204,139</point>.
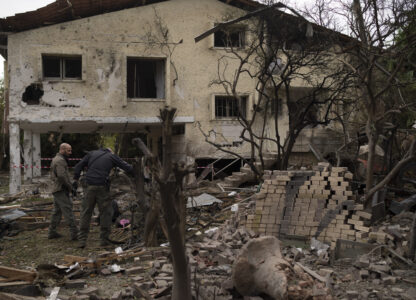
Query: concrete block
<point>389,280</point>
<point>364,274</point>
<point>116,296</point>
<point>134,270</point>
<point>75,284</point>
<point>88,291</point>
<point>364,215</point>
<point>351,295</point>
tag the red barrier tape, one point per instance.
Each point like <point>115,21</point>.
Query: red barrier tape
<point>48,167</point>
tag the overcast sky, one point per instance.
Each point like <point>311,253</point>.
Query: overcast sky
<point>10,8</point>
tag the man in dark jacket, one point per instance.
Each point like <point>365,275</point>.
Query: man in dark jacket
<point>61,186</point>
<point>99,164</point>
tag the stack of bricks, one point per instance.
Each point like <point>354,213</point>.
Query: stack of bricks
<point>316,203</point>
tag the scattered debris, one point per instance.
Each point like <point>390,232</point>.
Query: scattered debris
<point>229,257</point>
<point>202,200</point>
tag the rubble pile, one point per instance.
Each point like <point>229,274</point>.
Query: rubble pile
<point>241,258</point>
<point>316,203</point>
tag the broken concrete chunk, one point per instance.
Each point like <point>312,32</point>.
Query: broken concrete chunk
<point>116,296</point>
<point>162,283</point>
<point>88,291</point>
<point>202,200</point>
<point>105,272</point>
<point>138,278</point>
<point>389,280</point>
<point>397,290</point>
<point>364,274</point>
<point>352,295</point>
<point>325,272</point>
<point>410,294</point>
<point>127,293</point>
<point>363,262</point>
<point>140,290</point>
<point>146,257</point>
<point>167,268</point>
<point>222,259</point>
<point>135,270</point>
<point>379,268</point>
<point>75,284</point>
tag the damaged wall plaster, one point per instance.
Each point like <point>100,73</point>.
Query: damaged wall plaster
<point>105,42</point>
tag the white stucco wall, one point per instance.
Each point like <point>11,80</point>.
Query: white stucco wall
<point>100,98</point>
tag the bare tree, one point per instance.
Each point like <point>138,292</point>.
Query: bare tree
<point>282,51</point>
<point>169,177</point>
<point>376,57</point>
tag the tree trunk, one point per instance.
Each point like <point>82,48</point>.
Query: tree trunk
<point>288,149</point>
<point>407,158</point>
<point>170,194</point>
<point>181,273</point>
<point>150,226</point>
<point>412,249</point>
<point>151,211</point>
<point>372,141</point>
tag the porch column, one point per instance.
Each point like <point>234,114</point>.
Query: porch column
<point>27,156</point>
<point>15,174</point>
<point>36,155</point>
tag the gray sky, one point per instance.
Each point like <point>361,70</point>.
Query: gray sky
<point>10,8</point>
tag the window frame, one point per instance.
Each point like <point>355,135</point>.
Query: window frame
<point>165,69</point>
<point>214,116</point>
<point>242,36</point>
<point>62,66</point>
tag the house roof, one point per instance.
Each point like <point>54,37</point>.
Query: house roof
<point>67,10</point>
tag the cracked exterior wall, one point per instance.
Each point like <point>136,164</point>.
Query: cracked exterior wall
<point>104,42</point>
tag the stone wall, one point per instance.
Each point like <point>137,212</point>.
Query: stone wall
<point>316,203</point>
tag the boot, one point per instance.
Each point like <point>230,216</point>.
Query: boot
<point>82,244</point>
<point>54,235</point>
<point>74,234</point>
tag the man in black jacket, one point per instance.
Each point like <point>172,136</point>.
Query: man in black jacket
<point>99,164</point>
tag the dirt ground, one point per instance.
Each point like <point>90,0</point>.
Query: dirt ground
<point>29,249</point>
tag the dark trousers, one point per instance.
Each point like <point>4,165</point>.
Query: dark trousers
<point>100,195</point>
<point>62,205</point>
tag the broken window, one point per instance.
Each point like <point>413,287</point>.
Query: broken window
<point>228,106</point>
<point>230,37</point>
<point>145,78</point>
<point>62,67</point>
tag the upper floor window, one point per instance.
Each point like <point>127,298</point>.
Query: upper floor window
<point>146,78</point>
<point>228,107</point>
<point>62,67</point>
<point>233,37</point>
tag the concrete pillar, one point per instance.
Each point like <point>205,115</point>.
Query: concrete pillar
<point>15,174</point>
<point>27,156</point>
<point>36,155</point>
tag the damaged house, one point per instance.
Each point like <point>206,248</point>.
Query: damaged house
<point>109,66</point>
